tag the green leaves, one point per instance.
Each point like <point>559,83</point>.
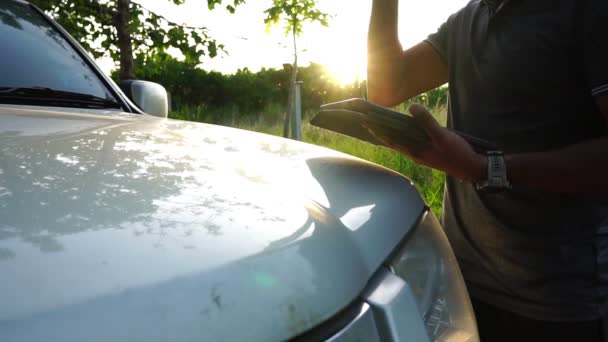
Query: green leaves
<point>294,13</point>
<point>93,24</point>
<point>230,7</point>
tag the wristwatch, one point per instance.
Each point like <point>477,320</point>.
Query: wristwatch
<point>497,174</point>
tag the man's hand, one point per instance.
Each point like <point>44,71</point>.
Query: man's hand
<point>447,151</point>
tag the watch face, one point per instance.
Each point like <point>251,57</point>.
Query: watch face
<point>497,174</point>
<point>494,182</point>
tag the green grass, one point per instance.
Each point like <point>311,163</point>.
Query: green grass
<point>429,182</point>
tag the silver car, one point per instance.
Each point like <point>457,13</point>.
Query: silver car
<point>117,225</point>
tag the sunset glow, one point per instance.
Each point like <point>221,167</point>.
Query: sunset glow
<point>341,47</point>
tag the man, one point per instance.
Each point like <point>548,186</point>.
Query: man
<point>530,76</point>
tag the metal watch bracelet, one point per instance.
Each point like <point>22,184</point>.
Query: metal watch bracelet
<point>497,174</point>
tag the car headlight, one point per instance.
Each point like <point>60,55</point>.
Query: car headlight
<point>427,263</point>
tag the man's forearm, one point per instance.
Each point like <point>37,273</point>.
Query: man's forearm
<point>383,28</point>
<point>580,168</point>
<point>383,47</point>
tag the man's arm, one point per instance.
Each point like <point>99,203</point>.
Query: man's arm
<point>394,75</point>
<point>578,168</point>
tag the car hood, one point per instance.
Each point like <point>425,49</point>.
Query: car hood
<point>130,227</point>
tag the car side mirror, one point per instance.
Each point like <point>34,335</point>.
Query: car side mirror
<point>150,97</point>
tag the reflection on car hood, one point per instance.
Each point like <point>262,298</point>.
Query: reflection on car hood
<point>129,227</point>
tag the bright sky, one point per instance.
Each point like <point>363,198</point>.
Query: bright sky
<point>341,46</point>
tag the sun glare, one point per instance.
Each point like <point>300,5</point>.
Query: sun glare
<point>344,71</point>
<point>341,47</point>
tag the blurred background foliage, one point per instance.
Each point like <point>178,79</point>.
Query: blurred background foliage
<point>252,93</point>
<point>124,30</point>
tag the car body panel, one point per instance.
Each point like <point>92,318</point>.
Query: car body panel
<point>117,226</point>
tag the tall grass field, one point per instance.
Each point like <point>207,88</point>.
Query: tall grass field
<point>429,182</point>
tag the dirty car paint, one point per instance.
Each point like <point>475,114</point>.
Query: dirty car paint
<point>128,227</point>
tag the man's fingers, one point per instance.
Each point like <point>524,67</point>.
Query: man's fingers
<point>426,120</point>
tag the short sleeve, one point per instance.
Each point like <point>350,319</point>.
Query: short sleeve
<point>595,46</point>
<point>439,41</point>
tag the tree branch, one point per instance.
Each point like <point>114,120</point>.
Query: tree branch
<point>171,23</point>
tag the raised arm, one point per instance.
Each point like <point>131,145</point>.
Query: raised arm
<point>395,75</point>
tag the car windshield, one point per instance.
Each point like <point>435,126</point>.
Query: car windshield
<point>35,55</point>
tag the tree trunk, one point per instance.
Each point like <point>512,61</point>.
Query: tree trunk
<point>291,106</point>
<point>287,121</point>
<point>125,45</point>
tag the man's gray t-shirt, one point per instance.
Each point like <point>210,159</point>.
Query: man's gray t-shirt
<point>523,74</point>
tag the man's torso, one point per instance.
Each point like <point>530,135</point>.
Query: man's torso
<point>517,79</point>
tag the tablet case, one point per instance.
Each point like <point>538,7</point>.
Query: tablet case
<point>353,118</point>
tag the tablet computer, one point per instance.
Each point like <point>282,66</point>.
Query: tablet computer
<point>353,118</point>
